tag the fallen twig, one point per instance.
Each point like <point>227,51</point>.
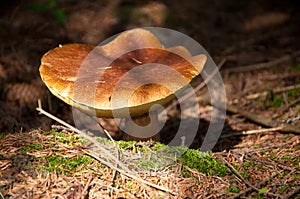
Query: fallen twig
<point>257,185</point>
<point>235,172</point>
<point>91,139</point>
<point>287,88</point>
<point>59,127</point>
<point>275,91</point>
<point>2,197</point>
<point>86,188</point>
<point>292,193</point>
<point>135,177</point>
<point>273,164</point>
<point>263,120</point>
<point>250,132</point>
<point>123,170</point>
<point>285,108</point>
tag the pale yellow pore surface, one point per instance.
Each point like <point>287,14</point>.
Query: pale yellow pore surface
<point>127,75</point>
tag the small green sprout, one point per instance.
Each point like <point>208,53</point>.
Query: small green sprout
<point>262,191</point>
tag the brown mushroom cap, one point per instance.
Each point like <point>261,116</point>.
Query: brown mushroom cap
<point>127,73</point>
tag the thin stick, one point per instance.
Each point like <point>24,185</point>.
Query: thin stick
<point>250,132</point>
<point>124,170</point>
<point>257,185</point>
<point>107,134</point>
<point>287,88</point>
<point>235,172</point>
<point>86,187</point>
<point>262,120</point>
<point>292,193</point>
<point>137,178</point>
<point>285,108</point>
<point>59,127</point>
<point>117,151</point>
<point>91,139</point>
<point>275,90</point>
<point>2,195</point>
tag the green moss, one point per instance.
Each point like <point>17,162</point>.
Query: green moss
<point>202,162</point>
<point>293,93</point>
<point>286,158</point>
<point>249,164</point>
<point>296,175</point>
<point>64,165</point>
<point>129,184</point>
<point>31,146</point>
<point>101,139</point>
<point>245,175</point>
<point>23,135</point>
<point>282,189</point>
<point>158,146</point>
<point>233,187</point>
<point>233,190</point>
<point>295,67</point>
<point>285,173</point>
<point>260,166</point>
<point>296,161</point>
<point>159,156</point>
<point>262,191</point>
<point>272,157</point>
<point>126,144</point>
<point>70,140</point>
<point>263,152</point>
<point>287,137</point>
<point>50,7</point>
<point>151,164</point>
<point>2,135</point>
<point>274,100</point>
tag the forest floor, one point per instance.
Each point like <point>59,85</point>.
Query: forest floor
<point>258,46</point>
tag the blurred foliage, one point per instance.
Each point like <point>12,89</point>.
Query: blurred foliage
<point>52,7</point>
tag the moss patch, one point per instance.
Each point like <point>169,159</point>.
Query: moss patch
<point>31,146</point>
<point>202,162</point>
<point>65,164</point>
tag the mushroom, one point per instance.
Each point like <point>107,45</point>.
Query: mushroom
<point>130,77</point>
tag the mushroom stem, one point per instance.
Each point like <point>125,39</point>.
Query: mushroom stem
<point>142,128</point>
